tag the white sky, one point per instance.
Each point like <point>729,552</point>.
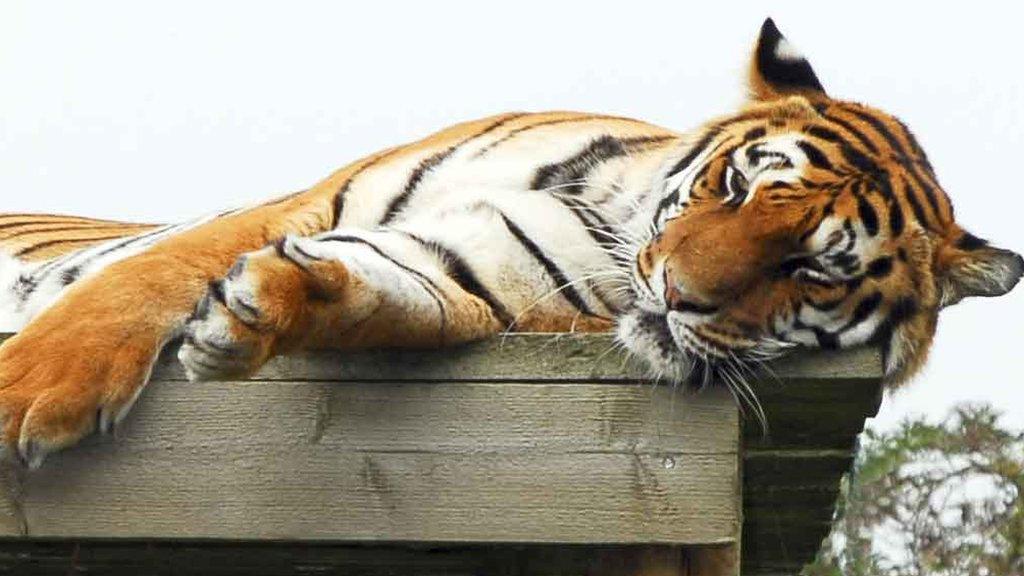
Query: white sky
<point>161,111</point>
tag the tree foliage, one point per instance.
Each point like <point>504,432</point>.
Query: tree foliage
<point>932,500</point>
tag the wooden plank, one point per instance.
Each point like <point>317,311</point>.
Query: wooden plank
<point>464,417</point>
<point>415,462</point>
<point>304,493</point>
<point>526,358</point>
<point>536,438</point>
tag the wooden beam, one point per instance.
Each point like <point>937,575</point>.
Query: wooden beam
<point>357,461</point>
<point>543,439</point>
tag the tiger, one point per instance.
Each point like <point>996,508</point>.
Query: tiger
<point>799,221</point>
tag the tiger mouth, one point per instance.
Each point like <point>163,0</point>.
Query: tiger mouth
<point>647,336</point>
<point>676,352</point>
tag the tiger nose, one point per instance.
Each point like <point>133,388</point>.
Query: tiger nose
<point>676,298</point>
<point>673,296</point>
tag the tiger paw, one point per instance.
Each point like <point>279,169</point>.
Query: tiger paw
<point>59,383</point>
<point>262,306</point>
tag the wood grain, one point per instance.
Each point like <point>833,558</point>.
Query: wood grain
<point>466,462</point>
<point>542,439</point>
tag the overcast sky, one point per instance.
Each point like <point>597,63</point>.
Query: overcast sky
<point>160,111</point>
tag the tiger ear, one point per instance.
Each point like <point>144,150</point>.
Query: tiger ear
<point>971,267</point>
<point>778,69</point>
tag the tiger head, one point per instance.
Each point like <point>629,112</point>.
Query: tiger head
<point>802,220</point>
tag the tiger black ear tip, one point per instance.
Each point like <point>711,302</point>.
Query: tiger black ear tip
<point>769,31</point>
<point>768,40</point>
<point>781,65</point>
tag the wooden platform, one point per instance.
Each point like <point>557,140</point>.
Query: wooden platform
<point>533,454</point>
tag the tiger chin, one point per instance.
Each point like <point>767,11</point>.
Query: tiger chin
<point>799,221</point>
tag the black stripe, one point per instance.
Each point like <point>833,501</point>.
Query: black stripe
<point>882,130</point>
<point>692,154</point>
<point>338,205</point>
<point>573,171</point>
<point>883,185</point>
<point>339,196</point>
<point>865,308</point>
<point>128,241</point>
<point>456,268</point>
<point>42,245</point>
<point>339,201</point>
<point>756,153</point>
<point>281,253</point>
<point>826,339</point>
<point>710,134</point>
<point>860,136</point>
<point>859,160</point>
<point>815,156</point>
<point>901,311</point>
<point>867,214</point>
<point>577,166</point>
<point>918,150</point>
<point>754,134</point>
<point>598,228</point>
<point>863,311</point>
<point>602,233</point>
<point>929,192</point>
<point>673,196</point>
<point>429,164</point>
<point>561,281</point>
<point>70,275</point>
<point>422,278</point>
<point>424,281</point>
<point>75,272</point>
<point>824,134</point>
<point>896,221</point>
<point>880,267</point>
<point>780,185</point>
<point>911,195</point>
<point>60,229</point>
<point>22,223</point>
<point>901,151</point>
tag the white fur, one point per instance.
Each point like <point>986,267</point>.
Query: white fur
<point>785,50</point>
<point>12,316</point>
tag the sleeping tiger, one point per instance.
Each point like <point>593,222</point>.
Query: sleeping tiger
<point>800,221</point>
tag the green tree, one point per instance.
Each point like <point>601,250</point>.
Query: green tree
<point>931,500</point>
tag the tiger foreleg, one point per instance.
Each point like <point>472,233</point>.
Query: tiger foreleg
<point>79,364</point>
<point>342,289</point>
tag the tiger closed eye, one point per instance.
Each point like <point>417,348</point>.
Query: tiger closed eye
<point>806,269</point>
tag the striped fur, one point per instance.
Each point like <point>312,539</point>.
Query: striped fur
<point>800,220</point>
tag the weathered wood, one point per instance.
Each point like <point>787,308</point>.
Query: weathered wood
<point>535,438</point>
<point>527,358</point>
<point>414,461</point>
